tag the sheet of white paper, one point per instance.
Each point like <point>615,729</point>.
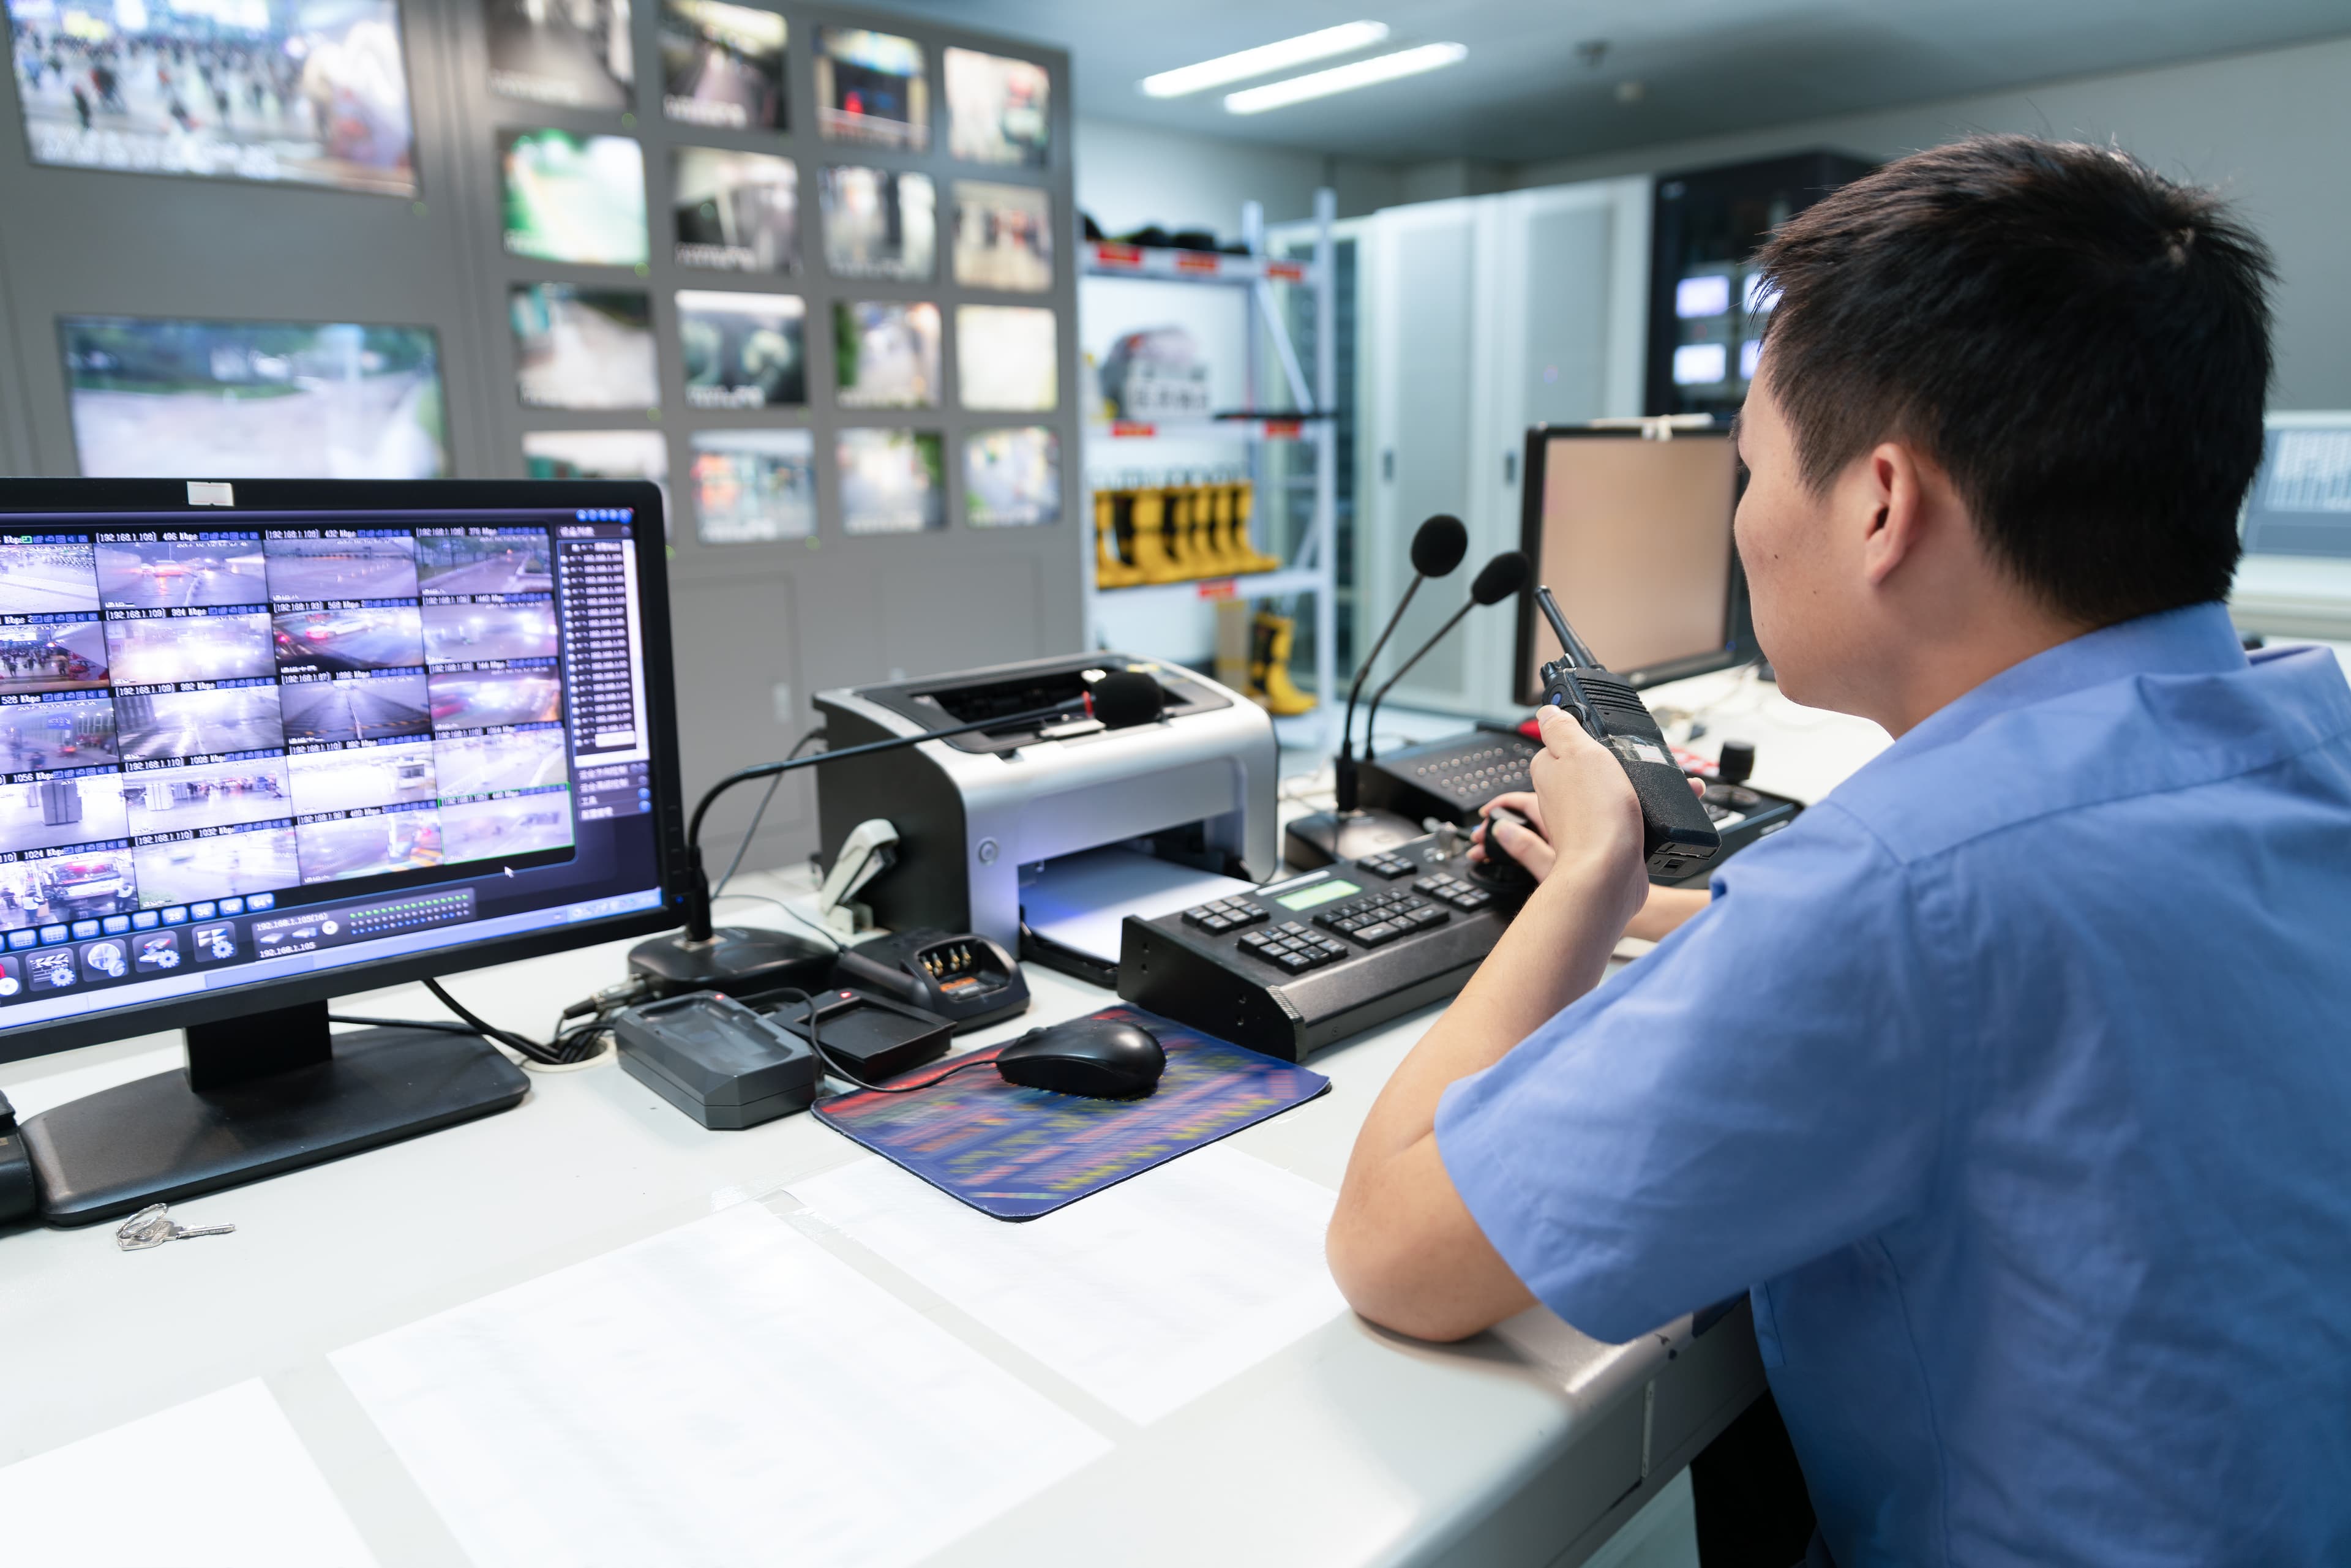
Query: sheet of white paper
<point>725,1393</point>
<point>1079,900</point>
<point>219,1482</point>
<point>1146,1295</point>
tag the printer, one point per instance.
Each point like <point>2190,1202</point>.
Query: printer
<point>976,814</point>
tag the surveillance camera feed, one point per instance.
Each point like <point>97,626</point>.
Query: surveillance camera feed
<point>265,745</point>
<point>1012,478</point>
<point>869,88</point>
<point>892,481</point>
<point>1006,358</point>
<point>252,399</point>
<point>575,53</point>
<point>583,348</point>
<point>1003,236</point>
<point>722,65</point>
<point>753,486</point>
<point>743,350</point>
<point>736,212</point>
<point>879,223</point>
<point>997,109</point>
<point>596,455</point>
<point>885,354</point>
<point>309,92</point>
<point>574,196</point>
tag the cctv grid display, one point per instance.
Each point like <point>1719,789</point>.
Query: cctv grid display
<point>199,724</point>
<point>827,274</point>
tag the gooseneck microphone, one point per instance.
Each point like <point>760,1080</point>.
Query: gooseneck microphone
<point>1501,577</point>
<point>752,960</point>
<point>1437,547</point>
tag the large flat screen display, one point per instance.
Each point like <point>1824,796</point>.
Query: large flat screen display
<point>244,748</point>
<point>310,92</point>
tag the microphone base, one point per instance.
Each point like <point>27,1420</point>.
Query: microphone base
<point>1327,836</point>
<point>742,961</point>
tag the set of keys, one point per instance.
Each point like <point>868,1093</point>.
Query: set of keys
<point>153,1225</point>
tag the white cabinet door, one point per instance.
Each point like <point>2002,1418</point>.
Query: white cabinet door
<point>1489,314</point>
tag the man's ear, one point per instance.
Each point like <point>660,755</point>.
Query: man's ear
<point>1896,489</point>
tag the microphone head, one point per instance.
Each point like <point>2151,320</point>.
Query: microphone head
<point>1439,545</point>
<point>1499,578</point>
<point>1123,698</point>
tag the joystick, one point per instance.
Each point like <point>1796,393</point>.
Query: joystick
<point>1500,870</point>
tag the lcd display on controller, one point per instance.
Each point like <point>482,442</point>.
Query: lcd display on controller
<point>1319,893</point>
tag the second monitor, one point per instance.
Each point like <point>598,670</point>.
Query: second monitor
<point>1629,526</point>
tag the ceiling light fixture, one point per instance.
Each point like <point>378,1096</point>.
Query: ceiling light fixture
<point>1265,59</point>
<point>1344,79</point>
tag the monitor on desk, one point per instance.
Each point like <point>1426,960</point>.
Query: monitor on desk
<point>2294,579</point>
<point>265,743</point>
<point>1628,524</point>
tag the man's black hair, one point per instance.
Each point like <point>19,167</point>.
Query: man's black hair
<point>2083,345</point>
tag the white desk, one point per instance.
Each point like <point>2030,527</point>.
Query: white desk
<point>1350,1446</point>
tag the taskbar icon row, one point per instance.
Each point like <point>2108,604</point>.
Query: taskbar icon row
<point>46,971</point>
<point>60,933</point>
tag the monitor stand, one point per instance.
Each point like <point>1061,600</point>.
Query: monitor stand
<point>266,1092</point>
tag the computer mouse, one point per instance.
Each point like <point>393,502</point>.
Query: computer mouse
<point>1099,1058</point>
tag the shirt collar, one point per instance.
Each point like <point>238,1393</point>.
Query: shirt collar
<point>2196,639</point>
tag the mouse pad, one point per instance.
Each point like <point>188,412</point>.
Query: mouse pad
<point>1018,1153</point>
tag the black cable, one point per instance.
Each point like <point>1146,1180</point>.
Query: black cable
<point>432,1025</point>
<point>809,1003</point>
<point>545,1055</point>
<point>765,801</point>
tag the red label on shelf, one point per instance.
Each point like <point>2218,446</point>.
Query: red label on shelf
<point>1131,428</point>
<point>1285,272</point>
<point>1196,261</point>
<point>1219,587</point>
<point>1284,429</point>
<point>1119,255</point>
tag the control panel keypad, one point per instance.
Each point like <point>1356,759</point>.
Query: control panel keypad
<point>1223,915</point>
<point>1387,864</point>
<point>1292,948</point>
<point>1447,888</point>
<point>1378,918</point>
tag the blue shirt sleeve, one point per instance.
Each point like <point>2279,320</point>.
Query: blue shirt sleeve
<point>1766,1086</point>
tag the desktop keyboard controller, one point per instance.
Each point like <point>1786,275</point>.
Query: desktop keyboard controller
<point>1296,965</point>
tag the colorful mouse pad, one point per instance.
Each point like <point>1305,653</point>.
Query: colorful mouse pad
<point>1018,1153</point>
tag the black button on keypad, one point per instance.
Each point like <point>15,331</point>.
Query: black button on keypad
<point>1387,865</point>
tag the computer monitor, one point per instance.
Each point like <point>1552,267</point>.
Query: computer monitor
<point>1629,526</point>
<point>266,743</point>
<point>2295,576</point>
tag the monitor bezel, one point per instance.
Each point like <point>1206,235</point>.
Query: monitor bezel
<point>166,495</point>
<point>1738,647</point>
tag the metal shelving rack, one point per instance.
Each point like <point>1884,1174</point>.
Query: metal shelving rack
<point>1312,570</point>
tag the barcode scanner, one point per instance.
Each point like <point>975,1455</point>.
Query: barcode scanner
<point>1674,828</point>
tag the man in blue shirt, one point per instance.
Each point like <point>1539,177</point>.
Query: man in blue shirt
<point>2013,1081</point>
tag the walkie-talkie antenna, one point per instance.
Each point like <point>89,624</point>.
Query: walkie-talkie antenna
<point>1578,656</point>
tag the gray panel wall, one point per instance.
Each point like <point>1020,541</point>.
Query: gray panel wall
<point>759,627</point>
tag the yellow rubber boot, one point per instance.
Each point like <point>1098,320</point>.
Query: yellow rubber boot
<point>1244,504</point>
<point>1110,568</point>
<point>1183,544</point>
<point>1200,531</point>
<point>1230,562</point>
<point>1270,667</point>
<point>1150,538</point>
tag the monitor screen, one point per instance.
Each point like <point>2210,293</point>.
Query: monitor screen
<point>2300,502</point>
<point>1633,537</point>
<point>254,747</point>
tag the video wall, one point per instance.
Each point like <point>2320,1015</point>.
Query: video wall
<point>814,263</point>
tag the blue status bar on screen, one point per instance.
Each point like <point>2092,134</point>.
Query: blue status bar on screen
<point>604,514</point>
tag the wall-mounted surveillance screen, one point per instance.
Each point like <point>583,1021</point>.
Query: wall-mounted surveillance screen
<point>736,212</point>
<point>869,88</point>
<point>997,109</point>
<point>252,399</point>
<point>1012,478</point>
<point>575,53</point>
<point>1701,364</point>
<point>722,65</point>
<point>743,350</point>
<point>892,481</point>
<point>1007,357</point>
<point>1003,236</point>
<point>753,486</point>
<point>574,196</point>
<point>310,92</point>
<point>886,353</point>
<point>596,455</point>
<point>879,223</point>
<point>583,348</point>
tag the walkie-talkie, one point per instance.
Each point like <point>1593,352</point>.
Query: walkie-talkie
<point>1674,828</point>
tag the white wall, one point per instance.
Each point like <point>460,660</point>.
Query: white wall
<point>1130,175</point>
<point>2272,129</point>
